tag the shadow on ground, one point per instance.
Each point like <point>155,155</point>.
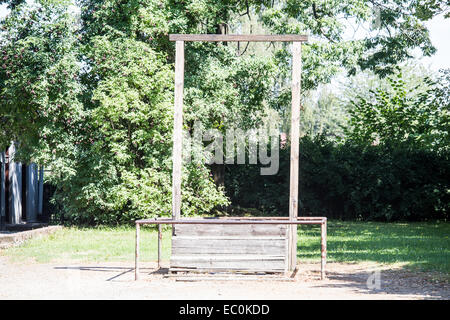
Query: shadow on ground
<point>418,245</point>
<point>341,277</point>
<point>398,281</point>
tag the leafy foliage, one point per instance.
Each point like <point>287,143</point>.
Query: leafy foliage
<point>392,163</point>
<point>397,115</point>
<point>39,85</point>
<point>98,115</point>
<point>350,181</point>
<point>90,95</point>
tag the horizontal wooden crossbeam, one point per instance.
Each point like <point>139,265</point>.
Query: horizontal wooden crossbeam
<point>236,221</point>
<point>239,37</point>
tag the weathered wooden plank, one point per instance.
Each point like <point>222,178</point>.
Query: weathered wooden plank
<point>186,246</point>
<point>295,135</point>
<point>231,230</point>
<point>224,270</point>
<point>178,130</point>
<point>299,220</point>
<point>230,257</point>
<point>232,237</point>
<point>239,37</point>
<point>222,251</point>
<point>232,266</point>
<point>233,278</point>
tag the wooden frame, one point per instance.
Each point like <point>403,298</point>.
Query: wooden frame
<point>295,120</point>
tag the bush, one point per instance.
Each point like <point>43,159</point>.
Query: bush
<point>349,181</point>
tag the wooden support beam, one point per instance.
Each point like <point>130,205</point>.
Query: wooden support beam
<point>239,37</point>
<point>159,245</point>
<point>178,131</point>
<point>136,254</point>
<point>323,242</point>
<point>295,135</point>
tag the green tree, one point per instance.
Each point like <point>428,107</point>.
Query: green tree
<point>39,85</point>
<point>96,99</point>
<point>392,30</point>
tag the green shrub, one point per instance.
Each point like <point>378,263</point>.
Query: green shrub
<point>349,181</point>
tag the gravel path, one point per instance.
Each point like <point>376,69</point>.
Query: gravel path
<point>115,281</point>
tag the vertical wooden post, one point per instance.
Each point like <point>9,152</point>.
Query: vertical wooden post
<point>136,254</point>
<point>159,245</point>
<point>295,135</point>
<point>323,239</point>
<point>177,156</point>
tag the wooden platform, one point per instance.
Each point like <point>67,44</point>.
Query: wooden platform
<point>230,248</point>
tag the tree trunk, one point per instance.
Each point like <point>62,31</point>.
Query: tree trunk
<point>218,172</point>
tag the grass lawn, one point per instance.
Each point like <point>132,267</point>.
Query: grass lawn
<point>423,246</point>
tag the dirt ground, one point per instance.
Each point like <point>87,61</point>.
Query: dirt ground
<point>116,281</point>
